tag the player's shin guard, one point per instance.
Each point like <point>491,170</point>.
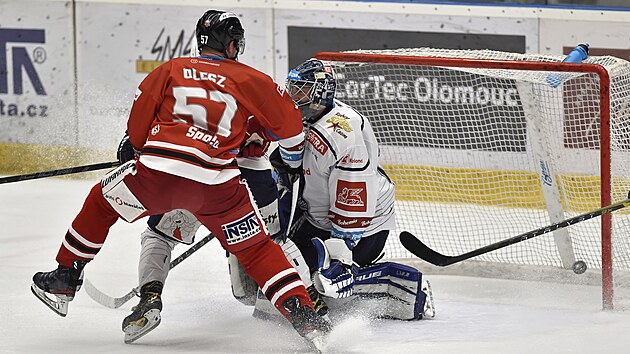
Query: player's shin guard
<point>155,257</point>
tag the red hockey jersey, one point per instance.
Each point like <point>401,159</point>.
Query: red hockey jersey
<point>190,115</point>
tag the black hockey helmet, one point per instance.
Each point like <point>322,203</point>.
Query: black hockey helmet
<point>312,87</point>
<point>216,29</point>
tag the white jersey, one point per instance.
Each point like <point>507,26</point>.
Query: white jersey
<point>345,190</point>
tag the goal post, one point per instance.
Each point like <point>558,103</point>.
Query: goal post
<point>486,145</point>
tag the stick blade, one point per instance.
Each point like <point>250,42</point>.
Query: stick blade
<point>104,299</point>
<point>422,251</point>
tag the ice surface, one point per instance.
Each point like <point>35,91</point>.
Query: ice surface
<point>474,315</point>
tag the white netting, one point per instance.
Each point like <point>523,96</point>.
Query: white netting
<point>481,155</point>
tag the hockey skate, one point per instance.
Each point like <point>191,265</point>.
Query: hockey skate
<point>307,322</point>
<point>62,282</point>
<point>429,305</point>
<point>321,308</point>
<point>146,315</point>
<point>318,303</point>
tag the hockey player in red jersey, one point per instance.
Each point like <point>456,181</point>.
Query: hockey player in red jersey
<point>165,231</point>
<point>187,123</point>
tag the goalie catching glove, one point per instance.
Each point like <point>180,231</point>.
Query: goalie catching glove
<point>336,271</point>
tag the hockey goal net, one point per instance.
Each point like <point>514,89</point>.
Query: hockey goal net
<point>487,145</point>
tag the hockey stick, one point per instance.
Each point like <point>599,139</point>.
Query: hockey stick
<point>60,172</point>
<point>116,302</point>
<point>415,246</point>
<point>295,190</point>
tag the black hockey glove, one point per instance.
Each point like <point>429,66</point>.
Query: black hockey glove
<point>126,151</point>
<point>286,175</point>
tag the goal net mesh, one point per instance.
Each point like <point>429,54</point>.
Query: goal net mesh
<point>481,155</point>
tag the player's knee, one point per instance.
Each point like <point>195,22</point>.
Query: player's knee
<point>149,236</point>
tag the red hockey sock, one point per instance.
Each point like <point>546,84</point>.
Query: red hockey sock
<point>267,265</point>
<point>89,229</point>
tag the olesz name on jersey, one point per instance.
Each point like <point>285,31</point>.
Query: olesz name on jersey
<point>193,74</point>
<point>424,89</point>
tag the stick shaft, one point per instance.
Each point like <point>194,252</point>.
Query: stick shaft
<point>192,249</point>
<point>116,302</point>
<point>415,246</point>
<point>60,172</point>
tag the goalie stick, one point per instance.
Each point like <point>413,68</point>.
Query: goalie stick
<point>295,190</point>
<point>419,249</point>
<point>60,172</point>
<point>116,302</point>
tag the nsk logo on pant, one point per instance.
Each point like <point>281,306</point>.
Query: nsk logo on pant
<point>241,229</point>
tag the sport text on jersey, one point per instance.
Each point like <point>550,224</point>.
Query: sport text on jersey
<point>241,229</point>
<point>198,134</point>
<point>193,74</point>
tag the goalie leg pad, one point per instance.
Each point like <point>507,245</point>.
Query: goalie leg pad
<point>244,288</point>
<point>294,256</point>
<point>264,310</point>
<point>263,187</point>
<point>397,287</point>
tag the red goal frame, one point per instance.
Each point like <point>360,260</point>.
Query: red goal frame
<point>604,108</point>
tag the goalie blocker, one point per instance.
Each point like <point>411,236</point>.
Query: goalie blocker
<point>385,290</point>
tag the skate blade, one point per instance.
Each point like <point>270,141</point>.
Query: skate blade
<point>58,305</point>
<point>134,332</point>
<point>429,305</point>
<point>317,341</point>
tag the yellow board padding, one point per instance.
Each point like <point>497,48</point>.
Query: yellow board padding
<point>18,159</point>
<point>146,66</point>
<point>500,188</point>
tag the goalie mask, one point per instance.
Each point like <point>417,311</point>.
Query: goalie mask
<point>216,29</point>
<point>312,86</point>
